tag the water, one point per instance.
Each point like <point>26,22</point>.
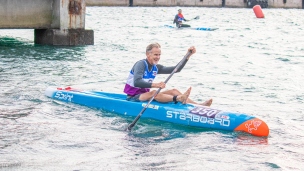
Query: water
<point>248,65</point>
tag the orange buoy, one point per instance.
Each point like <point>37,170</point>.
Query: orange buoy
<point>258,11</point>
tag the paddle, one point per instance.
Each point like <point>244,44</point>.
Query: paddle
<point>195,18</point>
<point>144,109</point>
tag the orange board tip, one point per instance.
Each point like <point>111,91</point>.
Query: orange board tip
<point>255,126</point>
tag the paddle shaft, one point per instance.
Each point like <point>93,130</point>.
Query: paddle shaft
<point>144,109</point>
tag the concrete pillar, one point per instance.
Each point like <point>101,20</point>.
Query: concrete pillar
<point>69,17</point>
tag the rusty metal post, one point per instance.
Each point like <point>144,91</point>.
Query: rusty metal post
<point>72,14</point>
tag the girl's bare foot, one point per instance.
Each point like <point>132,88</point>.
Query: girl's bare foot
<point>183,98</point>
<point>207,103</point>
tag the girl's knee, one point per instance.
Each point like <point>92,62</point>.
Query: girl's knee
<point>175,91</point>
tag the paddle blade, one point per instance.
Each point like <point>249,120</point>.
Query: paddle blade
<point>196,18</point>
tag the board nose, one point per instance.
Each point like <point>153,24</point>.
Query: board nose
<point>254,126</point>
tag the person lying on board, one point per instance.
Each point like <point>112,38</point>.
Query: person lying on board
<point>178,20</point>
<point>144,71</point>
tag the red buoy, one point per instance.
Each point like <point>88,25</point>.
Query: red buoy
<point>258,11</point>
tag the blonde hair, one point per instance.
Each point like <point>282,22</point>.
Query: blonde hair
<point>151,46</point>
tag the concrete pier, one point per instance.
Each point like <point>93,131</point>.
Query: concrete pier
<point>70,37</point>
<point>56,22</point>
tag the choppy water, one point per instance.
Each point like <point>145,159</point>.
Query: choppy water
<point>248,65</point>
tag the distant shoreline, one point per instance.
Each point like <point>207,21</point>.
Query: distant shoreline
<point>299,4</point>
